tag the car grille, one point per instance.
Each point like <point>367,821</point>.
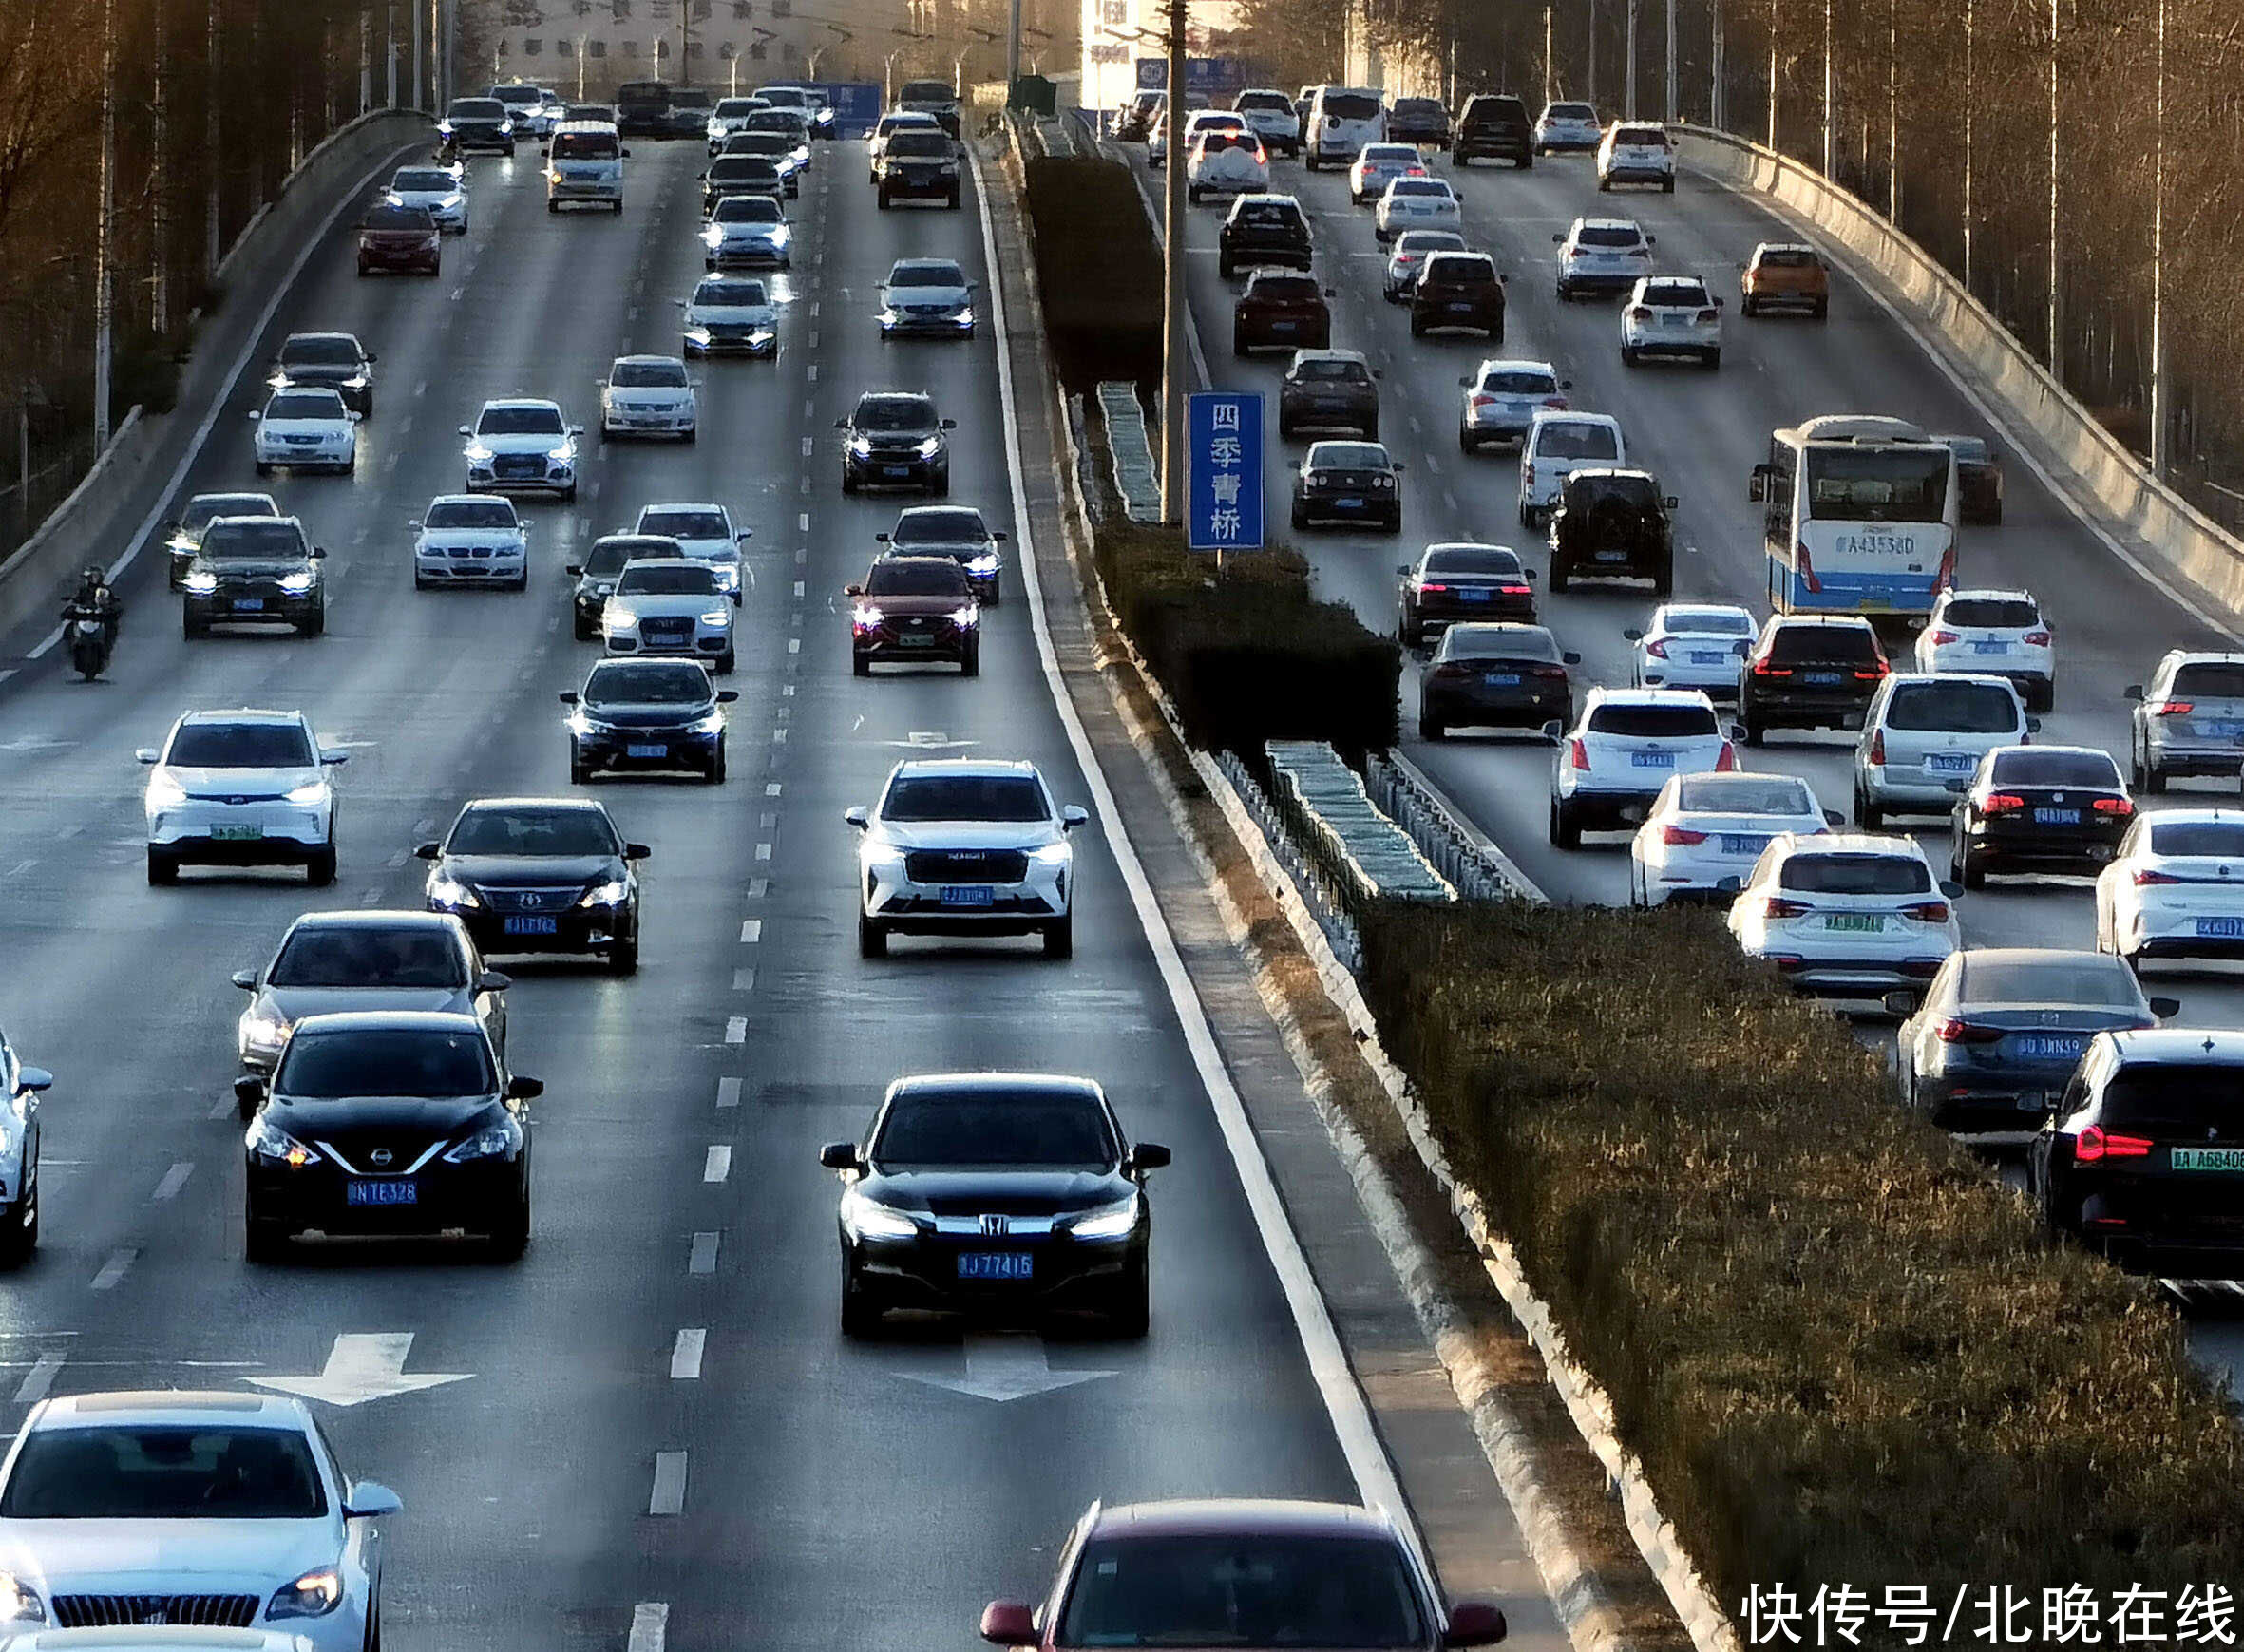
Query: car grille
<point>97,1611</point>
<point>518,464</point>
<point>542,899</point>
<point>666,630</point>
<point>378,1153</point>
<point>731,329</point>
<point>966,867</point>
<point>928,310</point>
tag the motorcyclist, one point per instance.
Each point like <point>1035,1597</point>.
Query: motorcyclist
<point>95,600</point>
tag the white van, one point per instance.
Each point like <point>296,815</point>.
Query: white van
<point>583,165</point>
<point>1555,446</point>
<point>1341,120</point>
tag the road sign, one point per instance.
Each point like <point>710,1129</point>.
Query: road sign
<point>1204,77</point>
<point>1224,472</point>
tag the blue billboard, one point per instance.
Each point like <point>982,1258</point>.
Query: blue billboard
<point>856,105</point>
<point>1224,472</point>
<point>1204,77</point>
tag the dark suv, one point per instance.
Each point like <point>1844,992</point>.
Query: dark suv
<point>335,361</point>
<point>1494,126</point>
<point>1330,390</point>
<point>643,109</point>
<point>1459,290</point>
<point>1420,121</point>
<point>1807,672</point>
<point>893,439</point>
<point>253,570</point>
<point>471,123</point>
<point>1280,307</point>
<point>1262,229</point>
<point>1613,524</point>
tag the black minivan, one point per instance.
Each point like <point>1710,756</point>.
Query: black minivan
<point>1494,126</point>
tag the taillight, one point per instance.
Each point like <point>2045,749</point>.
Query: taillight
<point>1941,638</point>
<point>1638,313</point>
<point>2093,1144</point>
<point>1440,590</point>
<point>2112,805</point>
<point>2001,803</point>
<point>1727,762</point>
<point>2173,708</point>
<point>1577,754</point>
<point>1658,649</point>
<point>1873,675</point>
<point>1527,476</point>
<point>1807,567</point>
<point>1709,314</point>
<point>2036,640</point>
<point>1784,906</point>
<point>1762,668</point>
<point>1926,911</point>
<point>2144,877</point>
<point>1877,747</point>
<point>1480,401</point>
<point>1955,1032</point>
<point>1514,590</point>
<point>1680,836</point>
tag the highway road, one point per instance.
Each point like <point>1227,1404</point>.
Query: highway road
<point>649,1430</point>
<point>1701,433</point>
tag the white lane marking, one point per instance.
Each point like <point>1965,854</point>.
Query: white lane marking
<point>736,1028</point>
<point>174,1179</point>
<point>727,1093</point>
<point>685,1355</point>
<point>422,827</point>
<point>399,859</point>
<point>813,373</point>
<point>1005,1367</point>
<point>803,524</point>
<point>702,1257</point>
<point>39,1378</point>
<point>758,888</point>
<point>21,867</point>
<point>814,338</point>
<point>751,931</point>
<point>798,590</point>
<point>743,981</point>
<point>770,789</point>
<point>779,736</point>
<point>1433,465</point>
<point>220,1108</point>
<point>794,645</point>
<point>5,674</point>
<point>1321,1344</point>
<point>763,851</point>
<point>808,448</point>
<point>718,1164</point>
<point>372,896</point>
<point>650,1626</point>
<point>669,1493</point>
<point>787,690</point>
<point>363,1365</point>
<point>802,555</point>
<point>808,406</point>
<point>114,1269</point>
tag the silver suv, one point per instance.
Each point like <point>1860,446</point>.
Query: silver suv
<point>2189,720</point>
<point>1922,740</point>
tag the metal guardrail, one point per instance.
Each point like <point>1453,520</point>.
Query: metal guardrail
<point>1319,896</point>
<point>1456,852</point>
<point>1135,479</point>
<point>1333,817</point>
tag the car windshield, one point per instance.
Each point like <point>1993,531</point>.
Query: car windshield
<point>205,508</point>
<point>2003,613</point>
<point>915,577</point>
<point>1424,241</point>
<point>518,96</point>
<point>573,832</point>
<point>2199,1102</point>
<point>252,539</point>
<point>585,146</point>
<point>417,1061</point>
<point>685,524</point>
<point>927,273</point>
<point>1570,112</point>
<point>1267,214</point>
<point>608,557</point>
<point>1592,491</point>
<point>1062,1132</point>
<point>477,110</point>
<point>1576,439</point>
<point>400,218</point>
<point>471,513</point>
<point>647,683</point>
<point>1407,186</point>
<point>1959,708</point>
<point>1243,1589</point>
<point>1285,289</point>
<point>683,578</point>
<point>939,526</point>
<point>1799,644</point>
<point>149,1472</point>
<point>2220,837</point>
<point>1012,798</point>
<point>1707,623</point>
<point>895,414</point>
<point>1743,794</point>
<point>1854,875</point>
<point>2066,978</point>
<point>687,98</point>
<point>1519,382</point>
<point>241,746</point>
<point>337,955</point>
<point>305,405</point>
<point>1874,484</point>
<point>1592,234</point>
<point>1498,642</point>
<point>748,209</point>
<point>320,352</point>
<point>1471,560</point>
<point>425,180</point>
<point>1459,269</point>
<point>648,375</point>
<point>1640,722</point>
<point>741,169</point>
<point>2044,766</point>
<point>1347,456</point>
<point>926,92</point>
<point>1640,135</point>
<point>731,108</point>
<point>770,146</point>
<point>520,422</point>
<point>920,143</point>
<point>1389,153</point>
<point>2213,680</point>
<point>1279,101</point>
<point>1676,294</point>
<point>725,294</point>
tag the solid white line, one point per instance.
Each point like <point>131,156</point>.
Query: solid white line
<point>703,1256</point>
<point>650,1626</point>
<point>220,1108</point>
<point>751,931</point>
<point>718,1164</point>
<point>39,1378</point>
<point>736,1030</point>
<point>174,1179</point>
<point>685,1356</point>
<point>21,867</point>
<point>114,1269</point>
<point>727,1093</point>
<point>1321,1344</point>
<point>669,1494</point>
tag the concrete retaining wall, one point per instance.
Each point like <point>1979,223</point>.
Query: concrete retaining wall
<point>2109,485</point>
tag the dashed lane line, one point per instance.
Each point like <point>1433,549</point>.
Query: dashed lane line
<point>650,1626</point>
<point>685,1355</point>
<point>669,1493</point>
<point>751,931</point>
<point>743,981</point>
<point>114,1270</point>
<point>736,1030</point>
<point>717,1163</point>
<point>174,1179</point>
<point>727,1093</point>
<point>39,1378</point>
<point>702,1257</point>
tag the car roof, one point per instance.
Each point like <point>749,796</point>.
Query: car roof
<point>347,1022</point>
<point>496,402</point>
<point>1809,622</point>
<point>1613,696</point>
<point>1268,197</point>
<point>964,768</point>
<point>2197,814</point>
<point>472,499</point>
<point>580,805</point>
<point>2041,748</point>
<point>351,338</point>
<point>1976,678</point>
<point>1845,843</point>
<point>935,510</point>
<point>681,504</point>
<point>376,917</point>
<point>1466,545</point>
<point>1609,473</point>
<point>1782,247</point>
<point>1301,355</point>
<point>184,1408</point>
<point>244,714</point>
<point>2200,657</point>
<point>1990,594</point>
<point>1608,223</point>
<point>1494,631</point>
<point>985,1083</point>
<point>1972,955</point>
<point>1514,364</point>
<point>650,361</point>
<point>2199,1046</point>
<point>1220,1516</point>
<point>328,392</point>
<point>1572,415</point>
<point>1317,447</point>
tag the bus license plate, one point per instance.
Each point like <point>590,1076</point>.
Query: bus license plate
<point>997,1264</point>
<point>2056,817</point>
<point>2205,1158</point>
<point>1856,924</point>
<point>384,1192</point>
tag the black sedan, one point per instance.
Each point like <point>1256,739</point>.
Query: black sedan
<point>1979,479</point>
<point>1496,675</point>
<point>1002,1194</point>
<point>397,1123</point>
<point>596,575</point>
<point>641,715</point>
<point>1348,481</point>
<point>1461,581</point>
<point>541,875</point>
<point>894,439</point>
<point>2048,808</point>
<point>2001,1030</point>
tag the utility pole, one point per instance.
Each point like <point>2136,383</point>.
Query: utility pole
<point>1673,113</point>
<point>1628,79</point>
<point>389,57</point>
<point>1012,48</point>
<point>1773,69</point>
<point>105,284</point>
<point>160,175</point>
<point>1970,96</point>
<point>1717,102</point>
<point>1175,360</point>
<point>1830,90</point>
<point>212,152</point>
<point>448,11</point>
<point>2161,412</point>
<point>2056,306</point>
<point>1547,83</point>
<point>1893,112</point>
<point>419,56</point>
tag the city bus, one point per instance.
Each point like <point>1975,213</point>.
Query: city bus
<point>1860,517</point>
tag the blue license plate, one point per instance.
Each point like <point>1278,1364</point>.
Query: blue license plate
<point>533,926</point>
<point>1701,656</point>
<point>2056,817</point>
<point>1469,595</point>
<point>2217,729</point>
<point>2050,1047</point>
<point>248,604</point>
<point>1612,555</point>
<point>1819,678</point>
<point>1349,504</point>
<point>1652,759</point>
<point>1990,647</point>
<point>1284,325</point>
<point>997,1264</point>
<point>646,751</point>
<point>1501,679</point>
<point>2221,928</point>
<point>968,895</point>
<point>400,1191</point>
<point>1743,843</point>
<point>1952,763</point>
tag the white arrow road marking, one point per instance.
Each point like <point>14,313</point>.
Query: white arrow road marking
<point>362,1366</point>
<point>1010,1366</point>
<point>35,745</point>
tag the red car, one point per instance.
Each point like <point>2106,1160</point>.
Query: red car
<point>1246,1574</point>
<point>913,609</point>
<point>404,239</point>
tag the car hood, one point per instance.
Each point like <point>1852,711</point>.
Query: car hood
<point>527,442</point>
<point>292,1004</point>
<point>469,538</point>
<point>649,396</point>
<point>305,426</point>
<point>969,834</point>
<point>442,1115</point>
<point>747,232</point>
<point>249,568</point>
<point>996,1191</point>
<point>530,872</point>
<point>960,550</point>
<point>320,373</point>
<point>428,198</point>
<point>663,605</point>
<point>624,714</point>
<point>709,550</point>
<point>261,783</point>
<point>914,607</point>
<point>166,1556</point>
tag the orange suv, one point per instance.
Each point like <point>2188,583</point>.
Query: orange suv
<point>1786,275</point>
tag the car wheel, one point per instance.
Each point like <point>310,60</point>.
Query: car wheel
<point>1971,869</point>
<point>1301,520</point>
<point>623,957</point>
<point>193,625</point>
<point>263,468</point>
<point>1430,727</point>
<point>1566,832</point>
<point>2151,778</point>
<point>1755,734</point>
<point>314,625</point>
<point>1223,265</point>
<point>1562,576</point>
<point>1059,936</point>
<point>580,772</point>
<point>872,937</point>
<point>861,1310</point>
<point>952,200</point>
<point>1712,360</point>
<point>2041,696</point>
<point>261,1241</point>
<point>1238,343</point>
<point>319,871</point>
<point>1417,327</point>
<point>1628,357</point>
<point>508,1241</point>
<point>164,866</point>
<point>1822,309</point>
<point>1747,309</point>
<point>1129,1311</point>
<point>971,665</point>
<point>19,1233</point>
<point>1868,815</point>
<point>884,200</point>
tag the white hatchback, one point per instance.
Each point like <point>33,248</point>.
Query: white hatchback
<point>2174,889</point>
<point>701,530</point>
<point>1847,915</point>
<point>1998,632</point>
<point>240,789</point>
<point>305,427</point>
<point>1706,831</point>
<point>1378,165</point>
<point>471,538</point>
<point>1674,316</point>
<point>1628,745</point>
<point>1415,204</point>
<point>1694,645</point>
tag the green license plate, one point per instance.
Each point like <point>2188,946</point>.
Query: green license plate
<point>1856,923</point>
<point>2206,1158</point>
<point>236,833</point>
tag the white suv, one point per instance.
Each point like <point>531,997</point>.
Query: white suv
<point>1378,165</point>
<point>1998,632</point>
<point>1628,745</point>
<point>1672,316</point>
<point>240,789</point>
<point>1636,152</point>
<point>965,846</point>
<point>520,445</point>
<point>1269,114</point>
<point>1603,255</point>
<point>1847,915</point>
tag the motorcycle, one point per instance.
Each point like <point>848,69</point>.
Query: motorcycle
<point>88,638</point>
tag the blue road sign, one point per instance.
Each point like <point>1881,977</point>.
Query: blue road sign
<point>1204,77</point>
<point>1224,472</point>
<point>856,105</point>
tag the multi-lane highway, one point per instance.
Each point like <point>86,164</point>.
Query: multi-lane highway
<point>654,1407</point>
<point>1701,433</point>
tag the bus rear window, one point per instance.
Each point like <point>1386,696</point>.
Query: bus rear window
<point>1877,485</point>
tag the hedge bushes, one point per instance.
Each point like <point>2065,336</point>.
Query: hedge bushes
<point>1098,271</point>
<point>1844,1354</point>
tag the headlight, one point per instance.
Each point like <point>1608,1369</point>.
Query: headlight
<point>713,724</point>
<point>295,584</point>
<point>781,234</point>
<point>985,564</point>
<point>19,1603</point>
<point>180,542</point>
<point>888,317</point>
<point>965,615</point>
<point>929,447</point>
<point>727,575</point>
<point>865,616</point>
<point>868,1220</point>
<point>451,892</point>
<point>1053,854</point>
<point>860,446</point>
<point>262,1032</point>
<point>445,127</point>
<point>608,894</point>
<point>453,201</point>
<point>314,1595</point>
<point>165,792</point>
<point>1113,1222</point>
<point>553,174</point>
<point>578,723</point>
<point>279,381</point>
<point>357,380</point>
<point>698,335</point>
<point>965,314</point>
<point>393,198</point>
<point>616,622</point>
<point>479,454</point>
<point>718,616</point>
<point>500,1141</point>
<point>713,235</point>
<point>202,584</point>
<point>563,453</point>
<point>312,792</point>
<point>268,1141</point>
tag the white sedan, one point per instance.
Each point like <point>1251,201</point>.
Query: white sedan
<point>731,316</point>
<point>471,538</point>
<point>1847,915</point>
<point>305,428</point>
<point>20,1089</point>
<point>704,531</point>
<point>1199,121</point>
<point>194,1502</point>
<point>1378,165</point>
<point>2174,889</point>
<point>240,789</point>
<point>1694,645</point>
<point>1226,163</point>
<point>1706,831</point>
<point>1674,316</point>
<point>648,395</point>
<point>438,188</point>
<point>1995,633</point>
<point>1415,204</point>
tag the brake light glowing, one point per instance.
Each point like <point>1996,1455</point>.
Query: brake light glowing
<point>1577,754</point>
<point>1877,747</point>
<point>2173,708</point>
<point>2144,877</point>
<point>1926,911</point>
<point>1958,1032</point>
<point>1784,906</point>
<point>1514,590</point>
<point>1941,638</point>
<point>2112,805</point>
<point>2095,1144</point>
<point>1727,762</point>
<point>2001,803</point>
<point>1762,668</point>
<point>1442,590</point>
<point>1480,400</point>
<point>1680,837</point>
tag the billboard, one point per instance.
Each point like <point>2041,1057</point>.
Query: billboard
<point>1204,77</point>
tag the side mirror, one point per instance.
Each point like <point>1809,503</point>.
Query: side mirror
<point>525,1089</point>
<point>1757,485</point>
<point>999,536</point>
<point>701,175</point>
<point>2132,692</point>
<point>147,755</point>
<point>426,851</point>
<point>1558,240</point>
<point>1735,732</point>
<point>249,1089</point>
<point>1566,384</point>
<point>1833,818</point>
<point>370,357</point>
<point>1553,730</point>
<point>35,1079</point>
<point>2165,1009</point>
<point>950,424</point>
<point>1903,1004</point>
<point>333,759</point>
<point>1527,574</point>
<point>245,979</point>
<point>1376,373</point>
<point>841,423</point>
<point>575,570</point>
<point>852,590</point>
<point>727,697</point>
<point>492,982</point>
<point>744,536</point>
<point>841,1156</point>
<point>636,852</point>
<point>1009,1623</point>
<point>857,816</point>
<point>318,553</point>
<point>576,429</point>
<point>567,697</point>
<point>1073,816</point>
<point>1570,657</point>
<point>625,153</point>
<point>1671,501</point>
<point>1632,635</point>
<point>2033,725</point>
<point>880,538</point>
<point>1474,1623</point>
<point>1953,890</point>
<point>1651,240</point>
<point>1147,1156</point>
<point>465,432</point>
<point>1402,568</point>
<point>1464,384</point>
<point>366,1499</point>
